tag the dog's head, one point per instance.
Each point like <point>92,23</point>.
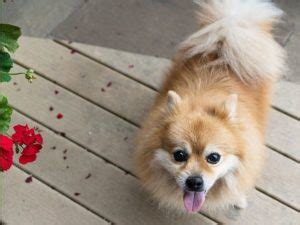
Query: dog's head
<point>199,146</point>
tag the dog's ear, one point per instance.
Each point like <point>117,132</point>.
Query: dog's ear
<point>173,99</point>
<point>230,106</point>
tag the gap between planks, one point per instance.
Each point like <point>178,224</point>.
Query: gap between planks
<point>115,114</point>
<point>274,197</point>
<point>282,153</point>
<point>286,113</point>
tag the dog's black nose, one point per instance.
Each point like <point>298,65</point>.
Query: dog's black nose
<point>194,183</point>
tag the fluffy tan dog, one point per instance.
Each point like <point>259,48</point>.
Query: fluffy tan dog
<point>203,141</point>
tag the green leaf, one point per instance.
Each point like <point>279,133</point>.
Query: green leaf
<point>9,35</point>
<point>5,114</point>
<point>6,62</point>
<point>4,77</point>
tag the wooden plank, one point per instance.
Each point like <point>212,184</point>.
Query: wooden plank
<point>108,191</point>
<point>260,204</point>
<point>34,203</point>
<point>281,179</point>
<point>96,82</point>
<point>287,98</point>
<point>119,98</point>
<point>77,121</point>
<point>150,70</point>
<point>283,134</point>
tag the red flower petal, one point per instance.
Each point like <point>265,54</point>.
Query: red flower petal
<point>39,139</point>
<point>21,128</point>
<point>32,149</point>
<point>109,84</point>
<point>18,138</point>
<point>7,155</point>
<point>5,164</point>
<point>59,116</point>
<point>28,179</point>
<point>6,143</point>
<point>24,159</point>
<point>28,140</point>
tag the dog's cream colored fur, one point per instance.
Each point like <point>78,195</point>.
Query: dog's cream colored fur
<point>215,97</point>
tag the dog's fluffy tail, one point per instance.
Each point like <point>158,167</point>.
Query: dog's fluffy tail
<point>238,33</point>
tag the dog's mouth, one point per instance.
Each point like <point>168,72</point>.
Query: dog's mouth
<point>193,200</point>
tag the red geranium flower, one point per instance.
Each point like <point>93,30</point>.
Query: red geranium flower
<point>6,153</point>
<point>24,135</point>
<point>31,142</point>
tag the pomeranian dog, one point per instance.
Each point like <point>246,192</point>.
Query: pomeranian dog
<point>202,143</point>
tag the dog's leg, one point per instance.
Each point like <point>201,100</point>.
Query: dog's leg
<point>241,202</point>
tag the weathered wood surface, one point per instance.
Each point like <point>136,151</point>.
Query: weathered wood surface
<point>82,76</point>
<point>109,191</point>
<point>93,120</point>
<point>35,203</point>
<point>150,73</point>
<point>80,127</point>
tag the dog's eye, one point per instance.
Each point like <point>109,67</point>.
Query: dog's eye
<point>181,156</point>
<point>213,158</point>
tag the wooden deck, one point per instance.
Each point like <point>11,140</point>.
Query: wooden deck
<point>99,123</point>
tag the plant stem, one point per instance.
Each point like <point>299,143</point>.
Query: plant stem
<point>13,74</point>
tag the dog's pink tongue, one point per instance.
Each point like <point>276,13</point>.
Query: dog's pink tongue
<point>193,200</point>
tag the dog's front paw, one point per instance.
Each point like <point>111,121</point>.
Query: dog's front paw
<point>241,203</point>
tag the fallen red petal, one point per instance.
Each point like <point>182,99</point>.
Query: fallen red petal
<point>109,84</point>
<point>88,176</point>
<point>59,116</point>
<point>28,179</point>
